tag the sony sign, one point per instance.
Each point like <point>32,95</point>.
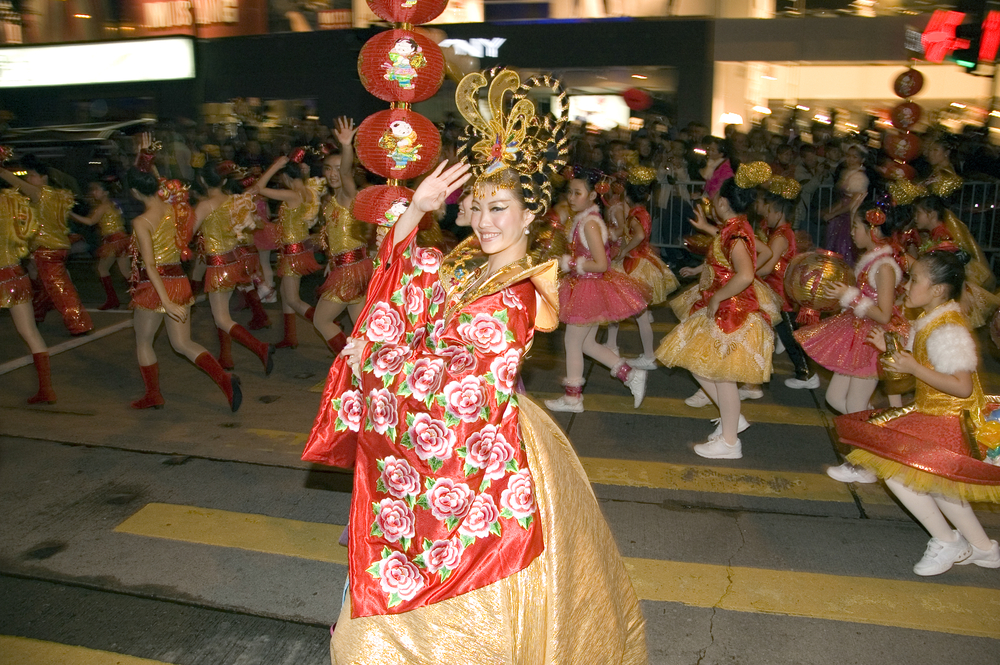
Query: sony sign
<point>476,47</point>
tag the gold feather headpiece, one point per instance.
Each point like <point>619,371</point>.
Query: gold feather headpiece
<point>514,143</point>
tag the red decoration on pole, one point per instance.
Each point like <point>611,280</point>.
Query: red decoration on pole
<point>637,100</point>
<point>381,204</point>
<point>908,83</point>
<point>905,115</point>
<point>401,66</point>
<point>408,11</point>
<point>902,147</point>
<point>398,143</point>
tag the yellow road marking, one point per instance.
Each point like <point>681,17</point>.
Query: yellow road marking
<point>25,651</point>
<point>919,605</point>
<point>281,436</point>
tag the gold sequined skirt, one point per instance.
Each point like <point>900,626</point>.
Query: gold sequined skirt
<point>573,604</point>
<point>654,273</point>
<point>699,346</point>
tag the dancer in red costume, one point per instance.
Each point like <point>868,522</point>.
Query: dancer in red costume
<point>114,241</point>
<point>17,226</point>
<point>347,242</point>
<point>474,534</point>
<point>221,219</point>
<point>162,294</point>
<point>50,246</point>
<point>298,213</point>
<point>932,462</point>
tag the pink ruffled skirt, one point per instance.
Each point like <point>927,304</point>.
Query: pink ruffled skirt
<point>600,298</point>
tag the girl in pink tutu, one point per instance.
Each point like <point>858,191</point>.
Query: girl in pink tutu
<point>839,343</point>
<point>591,295</point>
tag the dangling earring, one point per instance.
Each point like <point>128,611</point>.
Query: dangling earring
<point>526,232</point>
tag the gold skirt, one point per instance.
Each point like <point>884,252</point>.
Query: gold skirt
<point>978,305</point>
<point>657,275</point>
<point>573,604</point>
<point>699,346</point>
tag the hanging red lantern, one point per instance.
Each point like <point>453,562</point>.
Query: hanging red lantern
<point>413,12</point>
<point>902,147</point>
<point>637,100</point>
<point>398,143</point>
<point>401,66</point>
<point>908,83</point>
<point>381,204</point>
<point>899,171</point>
<point>905,115</point>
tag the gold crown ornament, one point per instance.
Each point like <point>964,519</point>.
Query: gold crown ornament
<point>641,175</point>
<point>904,192</point>
<point>752,174</point>
<point>786,188</point>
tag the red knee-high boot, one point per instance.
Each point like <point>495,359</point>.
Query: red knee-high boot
<point>264,351</point>
<point>229,383</point>
<point>291,339</point>
<point>260,318</point>
<point>337,343</point>
<point>45,392</point>
<point>112,302</point>
<point>151,379</point>
<point>225,349</point>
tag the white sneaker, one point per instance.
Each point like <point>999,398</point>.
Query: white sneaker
<point>268,294</point>
<point>812,383</point>
<point>940,556</point>
<point>636,383</point>
<point>698,400</point>
<point>565,405</point>
<point>779,346</point>
<point>986,558</point>
<point>643,362</point>
<point>750,393</point>
<point>717,448</point>
<point>849,473</point>
<point>740,427</point>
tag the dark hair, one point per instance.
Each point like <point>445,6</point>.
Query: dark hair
<point>780,203</point>
<point>807,147</point>
<point>947,268</point>
<point>893,219</point>
<point>31,163</point>
<point>589,177</point>
<point>293,170</point>
<point>637,193</point>
<point>739,199</point>
<point>932,203</point>
<point>142,182</point>
<point>210,174</point>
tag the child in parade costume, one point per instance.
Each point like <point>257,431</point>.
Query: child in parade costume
<point>591,293</point>
<point>50,246</point>
<point>299,211</point>
<point>780,201</point>
<point>221,218</point>
<point>17,226</point>
<point>161,293</point>
<point>642,263</point>
<point>840,343</point>
<point>726,336</point>
<point>347,242</point>
<point>474,535</point>
<point>114,241</point>
<point>853,181</point>
<point>929,459</point>
<point>246,248</point>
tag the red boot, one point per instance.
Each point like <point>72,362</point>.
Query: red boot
<point>229,383</point>
<point>337,343</point>
<point>112,302</point>
<point>260,318</point>
<point>225,349</point>
<point>264,351</point>
<point>291,340</point>
<point>151,378</point>
<point>45,392</point>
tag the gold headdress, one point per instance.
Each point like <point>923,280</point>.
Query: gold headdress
<point>904,192</point>
<point>752,174</point>
<point>514,144</point>
<point>786,188</point>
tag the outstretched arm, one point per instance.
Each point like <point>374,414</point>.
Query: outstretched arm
<point>94,218</point>
<point>429,196</point>
<point>345,131</point>
<point>26,188</point>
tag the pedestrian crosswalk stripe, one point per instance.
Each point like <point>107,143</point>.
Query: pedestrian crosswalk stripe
<point>26,651</point>
<point>894,603</point>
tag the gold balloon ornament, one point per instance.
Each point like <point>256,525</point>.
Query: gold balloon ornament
<point>807,275</point>
<point>893,382</point>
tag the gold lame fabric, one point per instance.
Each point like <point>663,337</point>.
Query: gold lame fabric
<point>217,232</point>
<point>977,270</point>
<point>165,248</point>
<point>18,223</point>
<point>343,232</point>
<point>573,604</point>
<point>932,401</point>
<point>111,222</point>
<point>52,212</point>
<point>295,222</point>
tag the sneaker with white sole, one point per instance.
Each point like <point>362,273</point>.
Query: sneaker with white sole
<point>779,346</point>
<point>986,558</point>
<point>636,383</point>
<point>812,383</point>
<point>717,448</point>
<point>941,556</point>
<point>565,405</point>
<point>643,362</point>
<point>750,393</point>
<point>698,400</point>
<point>740,427</point>
<point>849,473</point>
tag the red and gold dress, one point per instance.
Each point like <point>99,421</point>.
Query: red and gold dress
<point>474,534</point>
<point>597,298</point>
<point>17,226</point>
<point>776,278</point>
<point>737,343</point>
<point>838,342</point>
<point>50,248</point>
<point>922,444</point>
<point>296,256</point>
<point>114,240</point>
<point>644,263</point>
<point>226,265</point>
<point>167,254</point>
<point>347,242</point>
